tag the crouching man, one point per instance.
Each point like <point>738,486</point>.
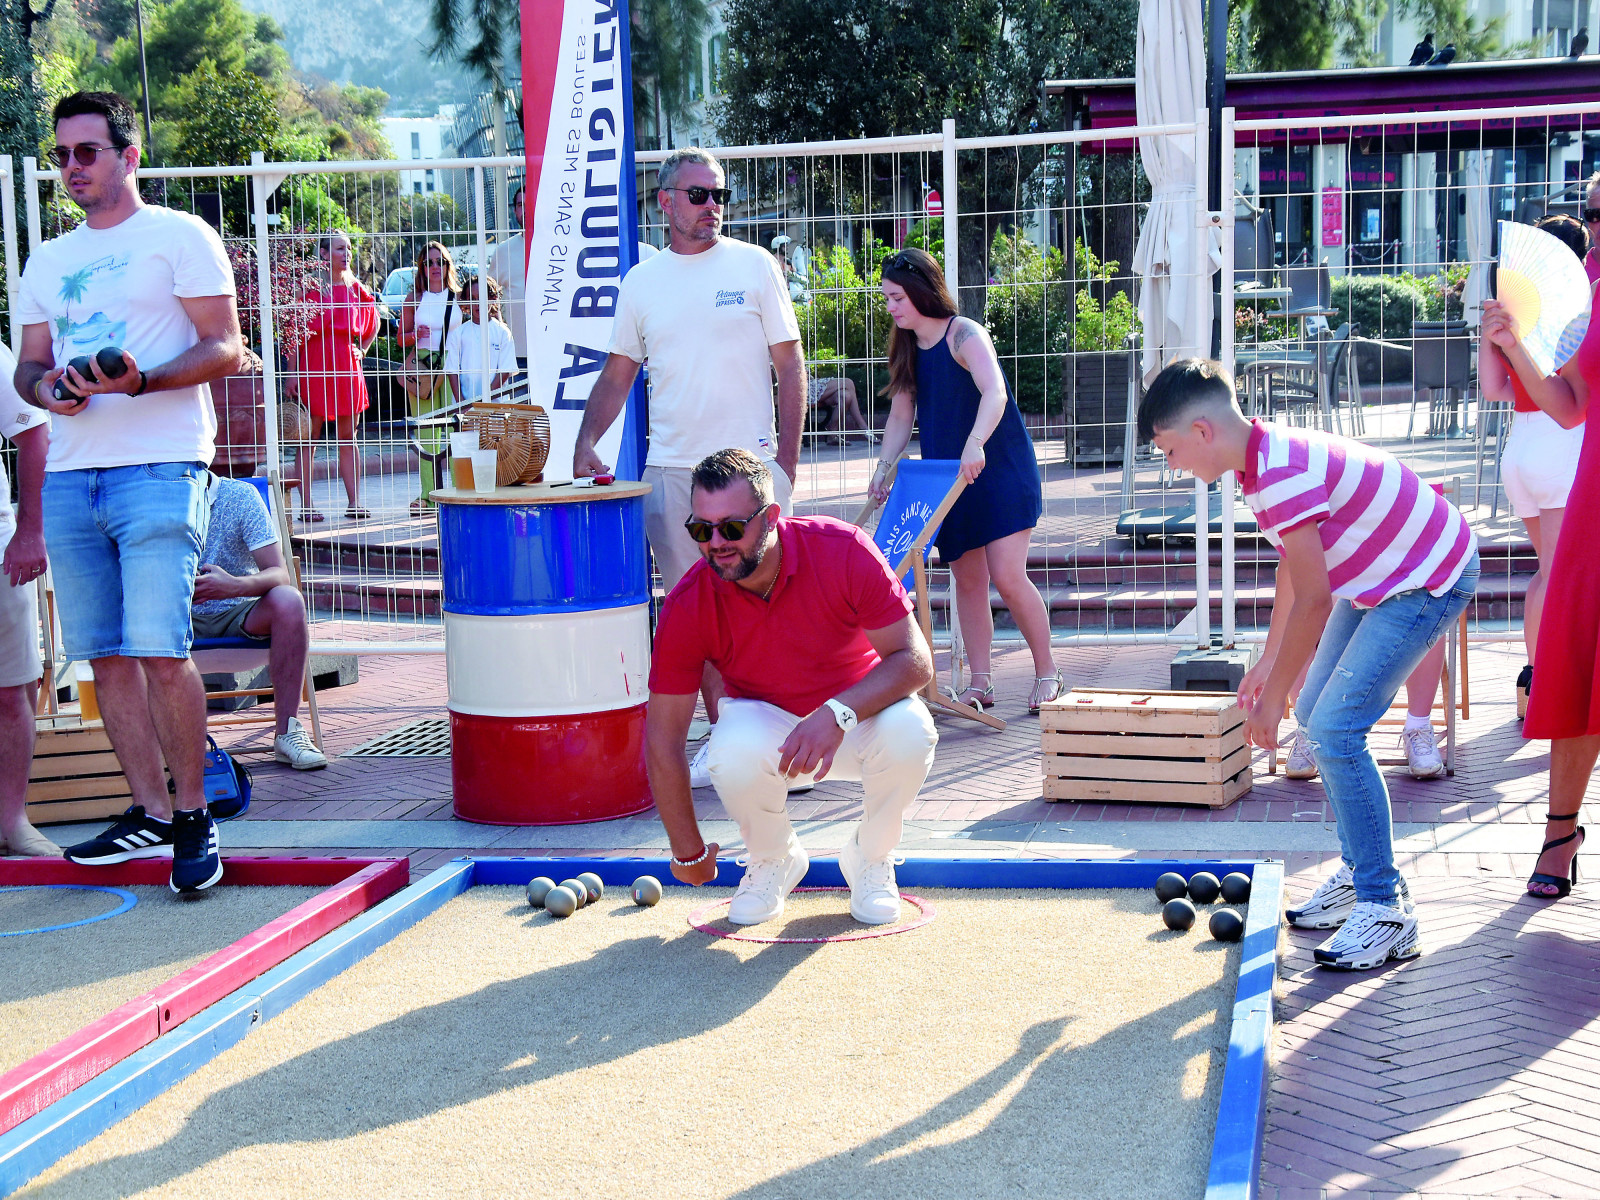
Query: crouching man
<point>815,640</point>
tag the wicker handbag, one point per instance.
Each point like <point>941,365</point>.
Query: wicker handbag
<point>520,433</point>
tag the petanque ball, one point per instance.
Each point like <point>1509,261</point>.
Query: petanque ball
<point>538,887</point>
<point>64,390</point>
<point>110,362</point>
<point>1226,925</point>
<point>1203,887</point>
<point>592,881</point>
<point>1178,913</point>
<point>560,902</point>
<point>1236,887</point>
<point>1171,886</point>
<point>647,891</point>
<point>579,890</point>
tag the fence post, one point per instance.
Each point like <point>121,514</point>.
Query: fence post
<point>1202,293</point>
<point>482,315</point>
<point>1225,317</point>
<point>8,218</point>
<point>30,200</point>
<point>952,211</point>
<point>269,337</point>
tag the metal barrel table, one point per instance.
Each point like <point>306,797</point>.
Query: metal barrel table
<point>547,651</point>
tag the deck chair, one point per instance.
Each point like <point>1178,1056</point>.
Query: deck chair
<point>241,654</point>
<point>921,494</point>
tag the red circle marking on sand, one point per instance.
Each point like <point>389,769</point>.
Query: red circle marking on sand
<point>698,917</point>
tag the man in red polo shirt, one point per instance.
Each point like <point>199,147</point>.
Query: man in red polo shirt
<point>814,639</point>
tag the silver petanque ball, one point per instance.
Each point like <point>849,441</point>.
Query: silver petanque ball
<point>579,891</point>
<point>560,902</point>
<point>647,891</point>
<point>592,881</point>
<point>537,888</point>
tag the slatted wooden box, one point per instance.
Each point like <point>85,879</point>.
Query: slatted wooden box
<point>75,775</point>
<point>1145,747</point>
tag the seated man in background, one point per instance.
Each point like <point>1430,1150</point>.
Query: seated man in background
<point>243,590</point>
<point>814,638</point>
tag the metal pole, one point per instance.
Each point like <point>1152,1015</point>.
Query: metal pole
<point>482,315</point>
<point>144,81</point>
<point>1216,92</point>
<point>8,219</point>
<point>269,348</point>
<point>1226,354</point>
<point>952,212</point>
<point>30,200</point>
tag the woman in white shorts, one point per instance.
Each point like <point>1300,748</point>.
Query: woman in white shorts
<point>1539,461</point>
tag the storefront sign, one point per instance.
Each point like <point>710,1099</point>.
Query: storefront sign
<point>1332,216</point>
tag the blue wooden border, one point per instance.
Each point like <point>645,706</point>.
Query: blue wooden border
<point>76,1119</point>
<point>85,1113</point>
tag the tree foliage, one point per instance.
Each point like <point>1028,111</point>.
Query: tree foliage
<point>1304,35</point>
<point>481,35</point>
<point>664,42</point>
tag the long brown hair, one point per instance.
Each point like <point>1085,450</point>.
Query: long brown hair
<point>920,274</point>
<point>419,278</point>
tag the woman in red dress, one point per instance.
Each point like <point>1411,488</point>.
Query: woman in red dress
<point>1564,704</point>
<point>330,380</point>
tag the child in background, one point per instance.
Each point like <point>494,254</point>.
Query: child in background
<point>463,353</point>
<point>1376,565</point>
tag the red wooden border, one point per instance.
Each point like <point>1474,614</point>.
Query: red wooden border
<point>358,884</point>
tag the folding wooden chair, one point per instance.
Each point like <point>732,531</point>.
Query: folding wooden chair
<point>240,653</point>
<point>921,494</point>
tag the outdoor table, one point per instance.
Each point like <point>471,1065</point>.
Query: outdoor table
<point>547,651</point>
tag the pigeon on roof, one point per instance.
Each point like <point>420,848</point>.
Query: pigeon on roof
<point>1580,43</point>
<point>1423,51</point>
<point>1445,57</point>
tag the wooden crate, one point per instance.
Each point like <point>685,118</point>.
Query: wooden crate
<point>75,775</point>
<point>1145,747</point>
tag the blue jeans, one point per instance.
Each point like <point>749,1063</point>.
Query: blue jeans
<point>1366,655</point>
<point>125,545</point>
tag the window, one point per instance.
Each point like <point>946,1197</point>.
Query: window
<point>716,50</point>
<point>697,80</point>
<point>430,181</point>
<point>416,145</point>
<point>416,187</point>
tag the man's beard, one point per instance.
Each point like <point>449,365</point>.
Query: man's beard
<point>695,232</point>
<point>744,567</point>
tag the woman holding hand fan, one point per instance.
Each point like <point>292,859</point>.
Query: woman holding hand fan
<point>1564,707</point>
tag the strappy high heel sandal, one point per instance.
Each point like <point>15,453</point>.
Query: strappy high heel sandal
<point>1045,689</point>
<point>1563,886</point>
<point>976,697</point>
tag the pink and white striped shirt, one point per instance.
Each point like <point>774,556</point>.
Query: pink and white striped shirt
<point>1383,530</point>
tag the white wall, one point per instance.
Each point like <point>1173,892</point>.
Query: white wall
<point>421,137</point>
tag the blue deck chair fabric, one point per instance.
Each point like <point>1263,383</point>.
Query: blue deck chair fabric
<point>916,506</point>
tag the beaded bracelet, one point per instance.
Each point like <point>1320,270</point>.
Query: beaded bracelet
<point>693,862</point>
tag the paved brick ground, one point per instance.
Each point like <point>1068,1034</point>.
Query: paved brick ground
<point>1468,1072</point>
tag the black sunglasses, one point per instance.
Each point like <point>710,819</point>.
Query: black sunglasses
<point>903,262</point>
<point>731,530</point>
<point>1591,214</point>
<point>699,195</point>
<point>84,154</point>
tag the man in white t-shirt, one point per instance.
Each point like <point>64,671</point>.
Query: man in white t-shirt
<point>712,316</point>
<point>125,484</point>
<point>22,547</point>
<point>464,352</point>
<point>508,267</point>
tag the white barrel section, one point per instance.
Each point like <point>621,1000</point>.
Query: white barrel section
<point>548,664</point>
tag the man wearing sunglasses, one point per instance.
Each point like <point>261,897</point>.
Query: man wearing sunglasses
<point>822,661</point>
<point>125,507</point>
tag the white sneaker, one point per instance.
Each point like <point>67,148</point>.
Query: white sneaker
<point>1300,765</point>
<point>1334,900</point>
<point>874,895</point>
<point>699,771</point>
<point>766,884</point>
<point>1373,935</point>
<point>1422,752</point>
<point>296,748</point>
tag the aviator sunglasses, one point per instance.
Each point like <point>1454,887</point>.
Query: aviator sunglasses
<point>83,154</point>
<point>731,530</point>
<point>699,195</point>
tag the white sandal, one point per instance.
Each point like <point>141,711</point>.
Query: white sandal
<point>1054,685</point>
<point>985,697</point>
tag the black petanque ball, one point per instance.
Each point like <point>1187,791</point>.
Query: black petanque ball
<point>1203,887</point>
<point>1171,886</point>
<point>1226,925</point>
<point>110,362</point>
<point>1236,887</point>
<point>1178,914</point>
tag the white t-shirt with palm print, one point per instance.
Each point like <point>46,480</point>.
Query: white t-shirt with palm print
<point>124,286</point>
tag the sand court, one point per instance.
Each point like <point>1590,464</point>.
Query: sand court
<point>54,983</point>
<point>1030,1041</point>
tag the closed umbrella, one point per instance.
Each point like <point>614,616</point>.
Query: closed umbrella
<point>1169,83</point>
<point>1475,183</point>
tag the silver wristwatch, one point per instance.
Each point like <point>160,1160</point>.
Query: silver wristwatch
<point>843,714</point>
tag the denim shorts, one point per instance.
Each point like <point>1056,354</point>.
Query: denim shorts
<point>124,546</point>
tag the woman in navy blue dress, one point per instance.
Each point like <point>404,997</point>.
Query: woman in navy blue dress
<point>943,373</point>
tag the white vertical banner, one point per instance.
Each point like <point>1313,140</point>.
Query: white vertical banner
<point>582,215</point>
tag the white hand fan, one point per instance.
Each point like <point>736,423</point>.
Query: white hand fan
<point>1545,291</point>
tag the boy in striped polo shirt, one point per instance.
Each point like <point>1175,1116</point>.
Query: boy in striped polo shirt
<point>1376,565</point>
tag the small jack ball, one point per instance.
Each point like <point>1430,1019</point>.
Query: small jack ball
<point>538,889</point>
<point>647,891</point>
<point>1171,886</point>
<point>1178,914</point>
<point>1236,887</point>
<point>1226,925</point>
<point>109,360</point>
<point>560,902</point>
<point>592,881</point>
<point>579,890</point>
<point>1203,887</point>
